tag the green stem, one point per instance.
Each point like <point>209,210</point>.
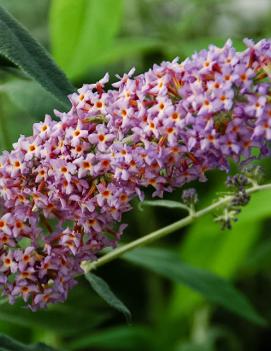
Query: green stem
<point>160,233</point>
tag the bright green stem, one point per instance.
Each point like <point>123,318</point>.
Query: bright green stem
<point>160,233</point>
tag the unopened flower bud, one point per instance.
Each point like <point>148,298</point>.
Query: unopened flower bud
<point>238,181</point>
<point>190,197</point>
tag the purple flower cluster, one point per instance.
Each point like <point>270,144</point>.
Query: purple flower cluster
<point>64,189</point>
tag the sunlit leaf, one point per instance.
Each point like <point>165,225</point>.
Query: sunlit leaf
<point>17,45</point>
<point>83,33</point>
<point>123,48</point>
<point>104,291</point>
<point>214,288</point>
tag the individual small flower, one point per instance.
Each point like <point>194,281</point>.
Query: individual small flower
<point>25,290</point>
<point>76,134</point>
<point>62,169</point>
<point>8,262</point>
<point>25,258</point>
<point>17,164</point>
<point>71,240</point>
<point>101,138</point>
<point>5,224</point>
<point>85,165</point>
<point>43,128</point>
<point>31,148</point>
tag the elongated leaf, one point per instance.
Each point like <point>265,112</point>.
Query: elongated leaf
<point>73,320</point>
<point>117,338</point>
<point>83,33</point>
<point>5,63</point>
<point>220,252</point>
<point>104,291</point>
<point>259,259</point>
<point>9,344</point>
<point>209,342</point>
<point>29,97</point>
<point>17,45</point>
<point>164,203</point>
<point>123,48</point>
<point>214,288</point>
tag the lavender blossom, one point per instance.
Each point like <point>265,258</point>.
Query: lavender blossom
<point>161,129</point>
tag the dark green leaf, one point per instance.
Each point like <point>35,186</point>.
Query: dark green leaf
<point>94,26</point>
<point>219,252</point>
<point>214,288</point>
<point>17,45</point>
<point>4,62</point>
<point>259,258</point>
<point>9,344</point>
<point>104,291</point>
<point>118,338</point>
<point>212,337</point>
<point>73,319</point>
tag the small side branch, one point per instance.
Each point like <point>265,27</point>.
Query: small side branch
<point>87,266</point>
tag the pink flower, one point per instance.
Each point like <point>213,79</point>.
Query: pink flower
<point>63,189</point>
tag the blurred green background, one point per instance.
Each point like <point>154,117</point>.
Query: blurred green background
<point>88,38</point>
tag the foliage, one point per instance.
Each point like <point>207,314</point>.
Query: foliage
<point>81,35</point>
<point>104,291</point>
<point>87,38</point>
<point>23,51</point>
<point>7,344</point>
<point>215,289</point>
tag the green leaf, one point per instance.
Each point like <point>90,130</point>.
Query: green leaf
<point>3,301</point>
<point>104,291</point>
<point>221,252</point>
<point>82,30</point>
<point>212,336</point>
<point>30,97</point>
<point>5,63</point>
<point>189,47</point>
<point>73,319</point>
<point>17,45</point>
<point>214,288</point>
<point>123,48</point>
<point>163,203</point>
<point>9,344</point>
<point>117,338</point>
<point>259,258</point>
